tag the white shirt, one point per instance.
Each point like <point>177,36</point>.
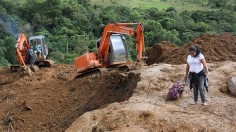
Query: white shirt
<point>194,63</point>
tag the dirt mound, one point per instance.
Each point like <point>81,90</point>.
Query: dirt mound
<point>51,100</point>
<point>214,47</point>
<point>160,52</point>
<point>7,77</point>
<point>149,111</point>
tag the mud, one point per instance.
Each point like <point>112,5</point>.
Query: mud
<point>215,48</point>
<point>149,111</point>
<point>51,99</point>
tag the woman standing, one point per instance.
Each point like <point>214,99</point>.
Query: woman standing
<point>196,72</point>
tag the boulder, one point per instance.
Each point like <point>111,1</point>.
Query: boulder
<point>232,85</point>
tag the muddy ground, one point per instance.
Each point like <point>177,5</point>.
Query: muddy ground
<point>215,48</point>
<point>51,99</point>
<point>149,111</point>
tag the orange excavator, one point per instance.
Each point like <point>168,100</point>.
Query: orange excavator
<point>33,52</point>
<point>112,50</point>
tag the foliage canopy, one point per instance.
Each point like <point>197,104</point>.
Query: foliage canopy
<point>73,26</point>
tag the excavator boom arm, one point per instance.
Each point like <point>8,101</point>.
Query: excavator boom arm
<point>139,41</point>
<point>121,28</point>
<point>21,48</point>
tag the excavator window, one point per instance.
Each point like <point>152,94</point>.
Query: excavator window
<point>118,49</point>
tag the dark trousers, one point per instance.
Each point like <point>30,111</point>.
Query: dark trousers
<point>198,87</point>
<point>31,57</point>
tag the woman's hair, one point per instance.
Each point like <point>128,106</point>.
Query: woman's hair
<point>195,49</point>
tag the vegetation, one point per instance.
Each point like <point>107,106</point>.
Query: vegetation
<point>159,4</point>
<point>73,26</point>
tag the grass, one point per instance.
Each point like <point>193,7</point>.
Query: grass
<point>144,4</point>
<point>18,1</point>
<point>21,1</point>
<point>179,5</point>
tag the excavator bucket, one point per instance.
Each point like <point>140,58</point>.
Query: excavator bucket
<point>29,70</point>
<point>24,70</point>
<point>34,68</point>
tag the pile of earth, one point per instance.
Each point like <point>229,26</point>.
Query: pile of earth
<point>149,111</point>
<point>51,99</point>
<point>215,48</point>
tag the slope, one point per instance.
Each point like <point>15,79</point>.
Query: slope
<point>215,48</point>
<point>148,110</point>
<point>51,99</point>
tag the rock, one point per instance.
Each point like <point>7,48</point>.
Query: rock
<point>232,85</point>
<point>61,75</point>
<point>94,128</point>
<point>224,89</point>
<point>28,105</point>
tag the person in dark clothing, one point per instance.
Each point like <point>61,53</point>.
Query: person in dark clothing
<point>31,57</point>
<point>37,48</point>
<point>196,72</point>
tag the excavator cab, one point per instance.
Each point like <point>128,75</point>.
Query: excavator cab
<point>117,52</point>
<point>39,46</point>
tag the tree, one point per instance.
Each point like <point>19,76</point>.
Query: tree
<point>9,53</point>
<point>217,3</point>
<point>3,61</point>
<point>57,56</point>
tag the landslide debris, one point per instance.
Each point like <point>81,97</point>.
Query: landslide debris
<point>51,99</point>
<point>215,48</point>
<point>149,111</point>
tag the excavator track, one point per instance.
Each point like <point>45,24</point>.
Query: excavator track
<point>15,68</point>
<point>90,73</point>
<point>44,63</point>
<point>122,68</point>
<point>34,68</point>
<point>95,73</point>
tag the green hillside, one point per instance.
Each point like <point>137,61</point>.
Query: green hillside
<point>160,4</point>
<point>73,26</point>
